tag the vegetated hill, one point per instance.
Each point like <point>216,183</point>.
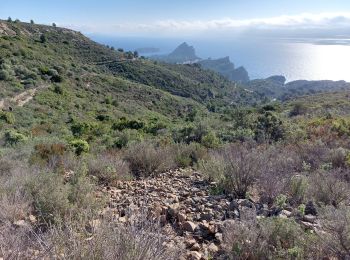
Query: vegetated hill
<point>77,124</point>
<point>275,87</point>
<point>77,80</point>
<point>329,104</point>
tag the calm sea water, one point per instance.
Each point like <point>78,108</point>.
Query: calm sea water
<point>310,59</point>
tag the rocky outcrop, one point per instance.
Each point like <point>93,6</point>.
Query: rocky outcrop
<point>191,217</point>
<point>226,68</point>
<point>184,53</point>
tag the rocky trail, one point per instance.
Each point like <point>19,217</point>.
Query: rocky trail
<point>21,99</point>
<point>191,217</point>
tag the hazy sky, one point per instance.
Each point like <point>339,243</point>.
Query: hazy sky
<point>184,17</point>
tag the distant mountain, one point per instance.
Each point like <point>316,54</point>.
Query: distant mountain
<point>226,68</point>
<point>186,54</point>
<point>182,54</point>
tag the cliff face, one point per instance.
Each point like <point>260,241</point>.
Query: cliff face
<point>226,68</point>
<point>184,53</point>
<point>187,54</point>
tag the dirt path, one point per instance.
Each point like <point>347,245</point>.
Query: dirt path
<point>21,99</point>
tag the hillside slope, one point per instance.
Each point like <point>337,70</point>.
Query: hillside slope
<point>73,79</point>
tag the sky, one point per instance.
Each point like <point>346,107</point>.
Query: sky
<point>186,17</point>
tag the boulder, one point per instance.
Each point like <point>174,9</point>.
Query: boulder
<point>213,248</point>
<point>194,255</point>
<point>189,226</point>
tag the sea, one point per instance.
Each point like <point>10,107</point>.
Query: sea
<point>294,58</point>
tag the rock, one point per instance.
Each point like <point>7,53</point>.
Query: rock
<point>20,223</point>
<point>190,242</point>
<point>233,205</point>
<point>195,247</point>
<point>181,217</point>
<point>309,218</point>
<point>162,220</point>
<point>307,225</point>
<point>219,237</point>
<point>194,255</point>
<point>285,213</point>
<point>206,216</point>
<point>122,219</point>
<point>213,248</point>
<point>32,219</point>
<point>310,209</point>
<point>246,203</point>
<point>189,226</point>
<point>173,210</point>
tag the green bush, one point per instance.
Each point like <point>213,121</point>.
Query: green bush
<point>298,189</point>
<point>79,146</point>
<point>124,123</point>
<point>7,117</point>
<point>4,75</point>
<point>12,137</point>
<point>210,140</point>
<point>189,154</point>
<point>80,129</point>
<point>269,127</point>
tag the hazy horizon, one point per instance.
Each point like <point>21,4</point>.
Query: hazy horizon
<point>194,18</point>
<point>311,40</point>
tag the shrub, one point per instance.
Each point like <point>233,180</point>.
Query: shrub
<point>59,89</point>
<point>280,163</point>
<point>80,129</point>
<point>141,239</point>
<point>298,189</point>
<point>7,117</point>
<point>12,137</point>
<point>43,38</point>
<point>236,168</point>
<point>298,109</point>
<point>108,169</point>
<point>147,159</point>
<point>281,201</point>
<point>50,197</point>
<point>328,188</point>
<point>189,154</point>
<point>210,140</point>
<point>269,128</point>
<point>124,123</point>
<point>121,141</point>
<point>79,146</point>
<point>336,238</point>
<point>4,75</point>
<point>48,154</point>
<point>270,238</point>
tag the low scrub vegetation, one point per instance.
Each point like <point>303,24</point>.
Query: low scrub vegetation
<point>102,116</point>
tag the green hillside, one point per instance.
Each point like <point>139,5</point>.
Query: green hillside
<point>106,155</point>
<point>77,80</point>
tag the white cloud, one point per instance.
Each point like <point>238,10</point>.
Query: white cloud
<point>301,21</point>
<point>306,20</point>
